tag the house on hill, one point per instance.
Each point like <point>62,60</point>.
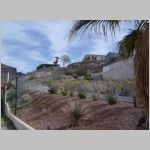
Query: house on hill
<point>93,57</point>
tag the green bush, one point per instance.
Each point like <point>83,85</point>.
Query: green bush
<point>82,95</point>
<point>64,92</point>
<point>88,77</point>
<point>53,89</point>
<point>82,90</point>
<point>71,93</point>
<point>111,99</point>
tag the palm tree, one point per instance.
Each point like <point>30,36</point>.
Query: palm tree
<point>136,41</point>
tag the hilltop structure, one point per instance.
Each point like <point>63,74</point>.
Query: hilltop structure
<point>93,57</point>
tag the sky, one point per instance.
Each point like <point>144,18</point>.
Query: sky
<point>29,43</point>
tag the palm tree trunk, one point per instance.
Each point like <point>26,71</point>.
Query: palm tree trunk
<point>142,71</point>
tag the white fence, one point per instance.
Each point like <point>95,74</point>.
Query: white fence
<point>19,124</point>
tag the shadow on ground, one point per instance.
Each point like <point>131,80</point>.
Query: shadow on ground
<point>7,124</point>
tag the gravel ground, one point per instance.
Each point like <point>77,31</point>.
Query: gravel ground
<point>47,110</point>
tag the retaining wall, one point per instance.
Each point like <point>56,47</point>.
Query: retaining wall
<point>19,124</point>
<point>119,70</point>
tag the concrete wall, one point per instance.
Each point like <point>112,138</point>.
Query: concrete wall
<point>119,70</point>
<point>19,124</point>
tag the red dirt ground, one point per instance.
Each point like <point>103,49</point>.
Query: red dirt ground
<point>47,110</point>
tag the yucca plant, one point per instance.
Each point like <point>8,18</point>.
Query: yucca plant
<point>76,111</point>
<point>136,41</point>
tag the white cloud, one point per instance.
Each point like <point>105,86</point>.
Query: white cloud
<point>57,32</point>
<point>21,65</point>
<point>36,56</point>
<point>99,47</point>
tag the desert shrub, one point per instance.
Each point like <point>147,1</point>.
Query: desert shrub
<point>82,88</point>
<point>56,75</point>
<point>125,86</point>
<point>71,93</point>
<point>82,95</point>
<point>82,70</point>
<point>71,85</point>
<point>88,77</point>
<point>64,92</point>
<point>111,99</point>
<point>96,90</point>
<point>53,90</point>
<point>76,111</point>
<point>82,92</point>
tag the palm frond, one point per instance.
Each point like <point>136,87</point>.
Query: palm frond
<point>143,25</point>
<point>94,25</point>
<point>127,44</point>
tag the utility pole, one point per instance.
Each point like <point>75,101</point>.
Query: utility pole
<point>16,96</point>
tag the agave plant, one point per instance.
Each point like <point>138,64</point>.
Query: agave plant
<point>136,41</point>
<point>77,112</point>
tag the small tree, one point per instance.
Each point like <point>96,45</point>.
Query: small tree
<point>65,60</point>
